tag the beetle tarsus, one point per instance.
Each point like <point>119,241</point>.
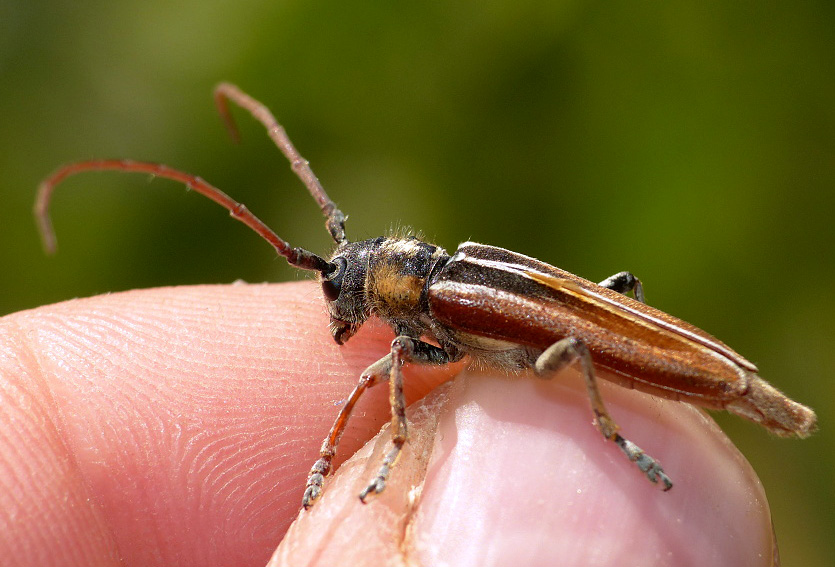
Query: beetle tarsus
<point>377,485</point>
<point>315,480</point>
<point>311,494</point>
<point>647,464</point>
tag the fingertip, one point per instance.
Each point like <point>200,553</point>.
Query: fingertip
<point>510,470</point>
<point>191,407</point>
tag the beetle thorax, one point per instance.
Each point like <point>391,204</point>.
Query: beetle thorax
<point>396,281</point>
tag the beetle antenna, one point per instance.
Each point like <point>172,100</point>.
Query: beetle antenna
<point>225,92</point>
<point>297,257</point>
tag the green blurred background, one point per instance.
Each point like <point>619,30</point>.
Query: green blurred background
<point>694,146</point>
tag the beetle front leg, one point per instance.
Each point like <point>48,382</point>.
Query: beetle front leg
<point>372,376</point>
<point>564,352</point>
<point>403,349</point>
<point>624,282</point>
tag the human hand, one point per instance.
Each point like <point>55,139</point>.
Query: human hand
<point>176,426</point>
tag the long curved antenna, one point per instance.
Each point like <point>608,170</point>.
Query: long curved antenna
<point>224,92</point>
<point>297,257</point>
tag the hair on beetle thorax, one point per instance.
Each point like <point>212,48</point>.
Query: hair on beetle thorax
<point>397,276</point>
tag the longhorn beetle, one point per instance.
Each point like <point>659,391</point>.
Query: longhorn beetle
<point>501,308</point>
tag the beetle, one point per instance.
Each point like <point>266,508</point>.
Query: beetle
<point>501,308</point>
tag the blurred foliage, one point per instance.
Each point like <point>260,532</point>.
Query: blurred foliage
<point>691,144</point>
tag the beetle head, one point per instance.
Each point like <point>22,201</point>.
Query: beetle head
<point>344,289</point>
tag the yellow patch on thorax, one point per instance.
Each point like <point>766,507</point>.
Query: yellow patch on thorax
<point>393,291</point>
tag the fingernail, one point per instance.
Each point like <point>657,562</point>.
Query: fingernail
<point>519,475</point>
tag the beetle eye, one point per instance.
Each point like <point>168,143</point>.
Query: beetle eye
<point>330,290</point>
<point>332,286</point>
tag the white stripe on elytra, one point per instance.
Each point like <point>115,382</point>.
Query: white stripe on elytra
<point>575,289</point>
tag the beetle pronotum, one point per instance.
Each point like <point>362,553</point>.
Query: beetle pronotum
<point>501,308</point>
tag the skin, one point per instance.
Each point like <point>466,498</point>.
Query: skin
<point>176,426</point>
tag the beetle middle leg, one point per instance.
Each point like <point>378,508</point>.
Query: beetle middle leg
<point>388,368</point>
<point>624,282</point>
<point>564,352</point>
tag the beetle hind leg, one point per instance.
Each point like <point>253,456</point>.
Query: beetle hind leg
<point>568,350</point>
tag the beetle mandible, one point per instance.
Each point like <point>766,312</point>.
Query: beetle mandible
<point>500,308</point>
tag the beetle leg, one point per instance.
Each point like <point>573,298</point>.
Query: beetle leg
<point>624,282</point>
<point>564,352</point>
<point>372,376</point>
<point>403,349</point>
